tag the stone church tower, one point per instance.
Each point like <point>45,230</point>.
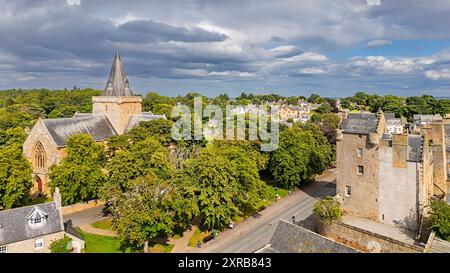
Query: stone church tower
<point>117,101</point>
<point>115,112</point>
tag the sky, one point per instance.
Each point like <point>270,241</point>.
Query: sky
<point>289,47</point>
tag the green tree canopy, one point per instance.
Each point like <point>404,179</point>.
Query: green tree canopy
<point>79,175</point>
<point>15,177</point>
<point>301,154</point>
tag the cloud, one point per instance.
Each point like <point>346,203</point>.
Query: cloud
<point>378,43</point>
<point>438,75</point>
<point>284,45</point>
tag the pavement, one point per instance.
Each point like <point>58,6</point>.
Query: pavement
<point>255,232</point>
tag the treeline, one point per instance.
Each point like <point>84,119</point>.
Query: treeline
<point>400,106</point>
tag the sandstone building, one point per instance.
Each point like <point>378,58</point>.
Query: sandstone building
<point>390,178</point>
<point>115,111</point>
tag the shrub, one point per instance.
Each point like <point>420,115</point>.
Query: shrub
<point>328,210</point>
<point>440,219</point>
<point>61,245</point>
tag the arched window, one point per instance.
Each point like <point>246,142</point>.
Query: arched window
<point>39,156</point>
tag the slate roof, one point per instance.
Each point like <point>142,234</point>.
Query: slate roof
<point>415,148</point>
<point>389,116</point>
<point>98,126</point>
<point>135,119</point>
<point>15,227</point>
<point>290,238</point>
<point>360,123</point>
<point>437,245</point>
<point>117,84</point>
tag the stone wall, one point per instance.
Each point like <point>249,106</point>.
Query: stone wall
<point>364,240</point>
<point>364,188</point>
<point>27,246</point>
<point>118,109</point>
<point>40,134</point>
<point>398,188</point>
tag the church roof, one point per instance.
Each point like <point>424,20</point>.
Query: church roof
<point>15,227</point>
<point>98,126</point>
<point>136,119</point>
<point>117,84</point>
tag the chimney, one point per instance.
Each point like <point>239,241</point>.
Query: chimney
<point>57,198</point>
<point>399,151</point>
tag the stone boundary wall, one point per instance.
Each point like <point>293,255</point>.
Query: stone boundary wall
<point>364,240</point>
<point>81,206</point>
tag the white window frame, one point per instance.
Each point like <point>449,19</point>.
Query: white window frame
<point>3,249</point>
<point>347,190</point>
<point>39,243</point>
<point>357,170</point>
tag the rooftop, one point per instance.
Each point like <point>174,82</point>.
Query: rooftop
<point>357,123</point>
<point>290,238</point>
<point>14,225</point>
<point>117,84</point>
<point>98,126</point>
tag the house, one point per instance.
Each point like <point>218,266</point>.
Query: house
<point>420,121</point>
<point>32,229</point>
<point>394,125</point>
<point>116,111</point>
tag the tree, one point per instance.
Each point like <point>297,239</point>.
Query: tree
<point>217,185</point>
<point>138,160</point>
<point>79,175</point>
<point>301,154</point>
<point>15,177</point>
<point>160,129</point>
<point>11,136</point>
<point>328,210</point>
<point>440,219</point>
<point>62,245</point>
<point>148,209</point>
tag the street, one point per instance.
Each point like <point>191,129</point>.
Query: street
<point>255,232</point>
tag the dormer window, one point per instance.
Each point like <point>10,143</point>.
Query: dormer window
<point>37,218</point>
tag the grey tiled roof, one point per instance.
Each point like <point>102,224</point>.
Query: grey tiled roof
<point>414,148</point>
<point>135,119</point>
<point>15,225</point>
<point>389,116</point>
<point>117,84</point>
<point>98,126</point>
<point>360,123</point>
<point>290,238</point>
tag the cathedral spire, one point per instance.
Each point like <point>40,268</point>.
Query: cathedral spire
<point>117,84</point>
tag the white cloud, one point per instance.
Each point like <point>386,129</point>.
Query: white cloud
<point>378,43</point>
<point>312,71</point>
<point>438,75</point>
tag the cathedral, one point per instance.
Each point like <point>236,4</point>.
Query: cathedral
<point>114,112</point>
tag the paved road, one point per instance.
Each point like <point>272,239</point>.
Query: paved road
<point>254,233</point>
<point>85,217</point>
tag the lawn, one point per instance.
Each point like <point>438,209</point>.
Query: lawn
<point>160,248</point>
<point>105,244</point>
<point>103,224</point>
<point>39,200</point>
<point>102,244</point>
<point>198,236</point>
